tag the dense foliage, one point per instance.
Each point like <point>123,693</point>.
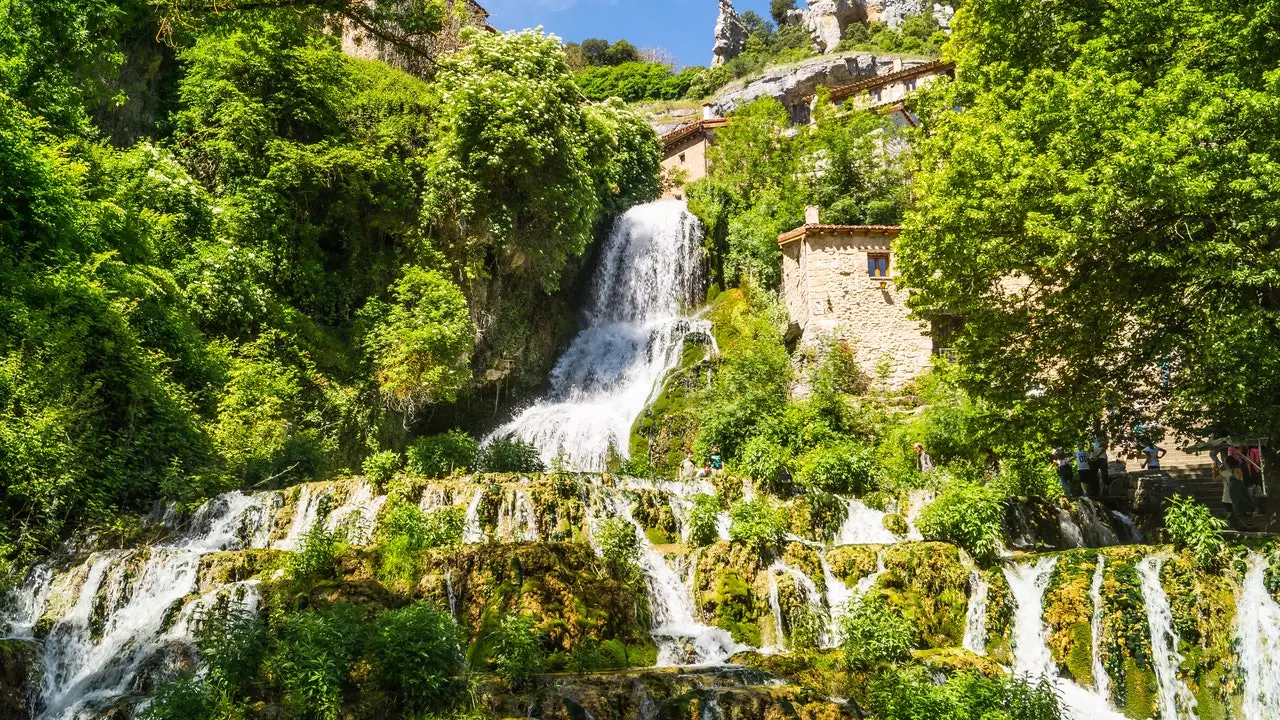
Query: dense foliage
<point>1101,209</point>
<point>302,259</point>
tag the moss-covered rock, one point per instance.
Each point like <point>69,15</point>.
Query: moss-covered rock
<point>18,674</point>
<point>851,563</point>
<point>726,593</point>
<point>1068,615</point>
<point>929,584</point>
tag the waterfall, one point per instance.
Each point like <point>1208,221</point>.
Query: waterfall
<point>650,273</point>
<point>1093,520</point>
<point>975,616</point>
<point>838,597</point>
<point>775,607</point>
<point>472,532</point>
<point>1032,658</point>
<point>1070,530</point>
<point>119,614</point>
<point>1258,636</point>
<point>681,639</point>
<point>1175,698</point>
<point>1101,683</point>
<point>864,526</point>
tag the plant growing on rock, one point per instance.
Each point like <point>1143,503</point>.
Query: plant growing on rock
<point>510,455</point>
<point>418,656</point>
<point>315,557</point>
<point>382,466</point>
<point>618,541</point>
<point>969,515</point>
<point>703,520</point>
<point>759,525</point>
<point>1195,529</point>
<point>845,468</point>
<point>872,633</point>
<point>436,456</point>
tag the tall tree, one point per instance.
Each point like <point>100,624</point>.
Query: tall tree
<point>1097,197</point>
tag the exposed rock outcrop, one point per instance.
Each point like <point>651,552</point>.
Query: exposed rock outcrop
<point>792,86</point>
<point>827,21</point>
<point>731,35</point>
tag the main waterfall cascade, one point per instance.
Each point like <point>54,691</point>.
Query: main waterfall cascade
<point>650,274</point>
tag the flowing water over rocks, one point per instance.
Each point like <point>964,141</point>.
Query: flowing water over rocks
<point>1175,699</point>
<point>1258,635</point>
<point>650,274</point>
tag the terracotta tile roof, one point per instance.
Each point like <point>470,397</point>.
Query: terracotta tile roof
<point>843,92</point>
<point>805,230</point>
<point>693,128</point>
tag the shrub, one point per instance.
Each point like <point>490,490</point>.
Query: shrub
<point>381,467</point>
<point>763,460</point>
<point>846,469</point>
<point>405,530</point>
<point>704,521</point>
<point>231,641</point>
<point>896,524</point>
<point>969,515</point>
<point>914,693</point>
<point>807,624</point>
<point>872,633</point>
<point>637,466</point>
<point>312,655</point>
<point>186,698</point>
<point>511,455</point>
<point>618,541</point>
<point>418,656</point>
<point>758,525</point>
<point>517,650</point>
<point>1195,529</point>
<point>436,456</point>
<point>314,559</point>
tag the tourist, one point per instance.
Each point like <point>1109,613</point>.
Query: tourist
<point>924,461</point>
<point>1153,453</point>
<point>990,462</point>
<point>706,470</point>
<point>717,463</point>
<point>1063,459</point>
<point>1099,464</point>
<point>1082,470</point>
<point>688,468</point>
<point>1240,503</point>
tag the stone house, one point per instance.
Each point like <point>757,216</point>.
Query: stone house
<point>838,282</point>
<point>684,154</point>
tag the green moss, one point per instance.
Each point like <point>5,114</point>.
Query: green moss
<point>851,563</point>
<point>725,592</point>
<point>1139,690</point>
<point>929,585</point>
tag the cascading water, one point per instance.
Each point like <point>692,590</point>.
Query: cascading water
<point>1258,636</point>
<point>975,617</point>
<point>1175,699</point>
<point>1032,658</point>
<point>864,526</point>
<point>838,596</point>
<point>650,274</point>
<point>1101,683</point>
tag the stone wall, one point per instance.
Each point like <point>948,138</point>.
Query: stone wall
<point>358,43</point>
<point>829,293</point>
<point>689,156</point>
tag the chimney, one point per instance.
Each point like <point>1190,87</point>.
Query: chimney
<point>812,215</point>
<point>709,112</point>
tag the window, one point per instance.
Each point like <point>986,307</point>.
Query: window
<point>878,266</point>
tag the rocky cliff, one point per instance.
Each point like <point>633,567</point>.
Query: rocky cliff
<point>792,86</point>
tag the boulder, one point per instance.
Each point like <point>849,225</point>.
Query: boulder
<point>827,20</point>
<point>793,86</point>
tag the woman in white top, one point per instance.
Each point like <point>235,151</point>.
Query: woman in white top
<point>1153,452</point>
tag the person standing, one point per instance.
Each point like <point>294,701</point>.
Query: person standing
<point>1240,503</point>
<point>1098,463</point>
<point>924,461</point>
<point>1082,471</point>
<point>990,462</point>
<point>688,468</point>
<point>1153,453</point>
<point>1063,459</point>
<point>717,462</point>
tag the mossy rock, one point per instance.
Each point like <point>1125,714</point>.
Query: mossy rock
<point>224,568</point>
<point>19,672</point>
<point>999,617</point>
<point>929,584</point>
<point>851,563</point>
<point>1068,615</point>
<point>1126,637</point>
<point>725,591</point>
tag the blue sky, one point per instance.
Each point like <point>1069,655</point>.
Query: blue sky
<point>683,27</point>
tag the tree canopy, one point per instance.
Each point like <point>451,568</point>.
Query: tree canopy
<point>1096,196</point>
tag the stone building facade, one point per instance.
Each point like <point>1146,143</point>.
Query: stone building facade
<point>459,14</point>
<point>838,282</point>
<point>684,155</point>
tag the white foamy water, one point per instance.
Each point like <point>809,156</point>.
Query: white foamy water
<point>1032,658</point>
<point>975,616</point>
<point>1175,698</point>
<point>650,274</point>
<point>864,526</point>
<point>1258,634</point>
<point>121,612</point>
<point>1101,682</point>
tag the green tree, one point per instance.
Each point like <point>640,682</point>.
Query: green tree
<point>420,344</point>
<point>779,10</point>
<point>1099,210</point>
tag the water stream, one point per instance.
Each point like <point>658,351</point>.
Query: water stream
<point>975,617</point>
<point>1101,683</point>
<point>635,324</point>
<point>1032,658</point>
<point>1258,635</point>
<point>1174,698</point>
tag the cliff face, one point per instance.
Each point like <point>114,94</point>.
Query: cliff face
<point>731,35</point>
<point>793,85</point>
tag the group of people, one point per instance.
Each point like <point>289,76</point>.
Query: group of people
<point>713,464</point>
<point>1087,465</point>
<point>1240,468</point>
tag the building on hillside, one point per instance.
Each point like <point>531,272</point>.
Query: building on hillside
<point>360,43</point>
<point>684,154</point>
<point>887,94</point>
<point>838,283</point>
